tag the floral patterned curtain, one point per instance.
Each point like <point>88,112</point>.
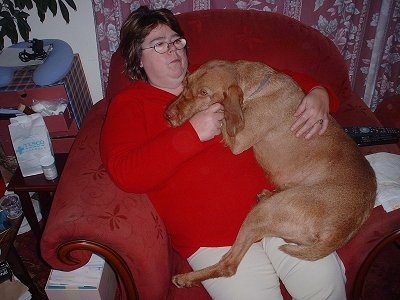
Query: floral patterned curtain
<point>367,33</point>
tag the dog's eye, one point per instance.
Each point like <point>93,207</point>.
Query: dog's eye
<point>203,92</point>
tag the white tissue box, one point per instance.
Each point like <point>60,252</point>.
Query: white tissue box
<point>94,281</point>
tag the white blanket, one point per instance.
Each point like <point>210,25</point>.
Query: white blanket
<point>387,170</point>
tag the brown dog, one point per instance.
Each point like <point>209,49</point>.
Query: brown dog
<point>325,188</point>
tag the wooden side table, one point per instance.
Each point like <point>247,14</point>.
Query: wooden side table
<point>37,183</point>
<point>10,254</point>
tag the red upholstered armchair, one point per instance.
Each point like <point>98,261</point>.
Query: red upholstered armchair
<point>90,214</point>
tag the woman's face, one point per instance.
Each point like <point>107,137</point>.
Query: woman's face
<point>167,70</point>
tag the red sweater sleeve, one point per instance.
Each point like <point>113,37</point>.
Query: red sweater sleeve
<point>307,83</point>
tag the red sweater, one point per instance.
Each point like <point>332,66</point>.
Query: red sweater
<point>200,189</point>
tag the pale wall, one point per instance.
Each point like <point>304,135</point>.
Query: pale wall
<point>79,34</point>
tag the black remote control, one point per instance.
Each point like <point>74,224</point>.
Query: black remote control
<point>368,136</point>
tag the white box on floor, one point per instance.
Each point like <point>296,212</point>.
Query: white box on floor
<point>94,281</point>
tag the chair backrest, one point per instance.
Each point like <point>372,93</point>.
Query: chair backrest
<point>271,38</point>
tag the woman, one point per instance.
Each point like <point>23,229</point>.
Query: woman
<point>191,177</point>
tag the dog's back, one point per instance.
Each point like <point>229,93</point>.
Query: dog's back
<point>326,180</point>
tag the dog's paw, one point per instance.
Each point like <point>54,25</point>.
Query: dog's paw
<point>181,281</point>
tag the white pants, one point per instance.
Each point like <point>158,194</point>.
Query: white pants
<point>261,268</point>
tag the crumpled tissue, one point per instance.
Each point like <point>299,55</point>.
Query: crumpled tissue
<point>387,171</point>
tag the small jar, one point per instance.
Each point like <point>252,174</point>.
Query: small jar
<point>49,167</point>
<point>11,204</point>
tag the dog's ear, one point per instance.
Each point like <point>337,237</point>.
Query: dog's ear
<point>233,100</point>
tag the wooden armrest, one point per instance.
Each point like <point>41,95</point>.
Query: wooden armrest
<point>129,290</point>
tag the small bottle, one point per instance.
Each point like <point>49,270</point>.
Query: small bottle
<point>49,167</point>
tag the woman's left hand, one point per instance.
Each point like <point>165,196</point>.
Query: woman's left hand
<point>312,114</point>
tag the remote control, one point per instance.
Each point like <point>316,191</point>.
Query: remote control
<point>368,136</point>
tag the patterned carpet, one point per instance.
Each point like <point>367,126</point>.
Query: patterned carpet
<point>383,281</point>
<point>28,249</point>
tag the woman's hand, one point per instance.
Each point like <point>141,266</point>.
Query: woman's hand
<point>208,123</point>
<point>312,114</point>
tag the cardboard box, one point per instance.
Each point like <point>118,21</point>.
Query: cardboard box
<point>94,281</point>
<point>56,123</point>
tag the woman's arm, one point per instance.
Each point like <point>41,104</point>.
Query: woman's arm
<point>316,105</point>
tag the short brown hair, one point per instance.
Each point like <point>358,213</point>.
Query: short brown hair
<point>133,32</point>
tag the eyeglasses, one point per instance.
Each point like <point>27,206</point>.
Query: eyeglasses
<point>163,47</point>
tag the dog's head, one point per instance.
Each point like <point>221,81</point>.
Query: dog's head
<point>215,81</point>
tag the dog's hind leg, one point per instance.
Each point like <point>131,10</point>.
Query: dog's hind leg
<point>228,264</point>
<point>226,267</point>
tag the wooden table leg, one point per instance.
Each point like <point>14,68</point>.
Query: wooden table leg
<point>20,271</point>
<point>45,199</point>
<point>29,212</point>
